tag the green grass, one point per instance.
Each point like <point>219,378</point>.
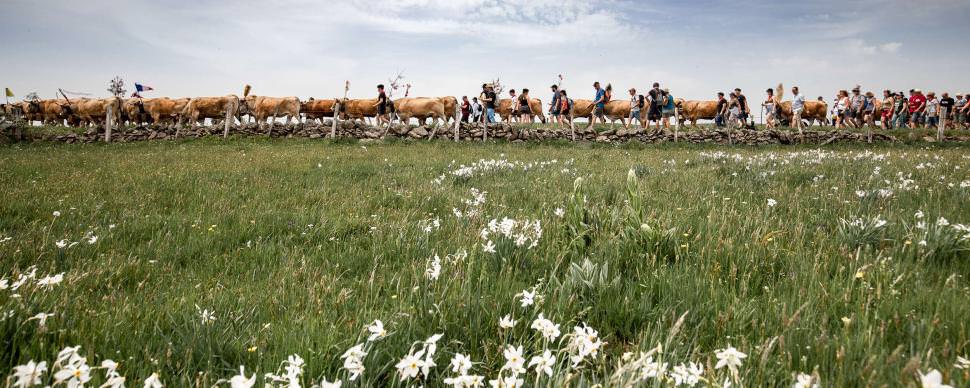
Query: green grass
<point>297,245</point>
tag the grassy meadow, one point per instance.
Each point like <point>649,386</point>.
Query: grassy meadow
<point>649,265</point>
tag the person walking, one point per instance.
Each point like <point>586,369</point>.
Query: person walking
<point>734,112</point>
<point>466,109</point>
<point>900,111</point>
<point>636,102</point>
<point>869,109</point>
<point>565,109</point>
<point>842,107</point>
<point>769,106</point>
<point>476,110</point>
<point>917,108</point>
<point>965,111</point>
<point>797,107</point>
<point>668,108</point>
<point>488,98</point>
<point>721,111</point>
<point>743,105</point>
<point>525,111</point>
<point>513,107</point>
<point>885,116</point>
<point>599,104</point>
<point>946,110</point>
<point>554,105</point>
<point>959,116</point>
<point>381,106</point>
<point>932,110</point>
<point>653,114</point>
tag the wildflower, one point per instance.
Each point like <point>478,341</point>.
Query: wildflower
<point>730,358</point>
<point>153,381</point>
<point>805,381</point>
<point>653,369</point>
<point>29,373</point>
<point>919,214</point>
<point>464,381</point>
<point>327,384</point>
<point>507,382</point>
<point>461,364</point>
<point>548,329</point>
<point>376,330</point>
<point>112,378</point>
<point>962,363</point>
<point>61,243</point>
<point>74,374</point>
<point>434,270</point>
<point>514,360</point>
<point>410,365</point>
<point>206,316</point>
<point>585,342</point>
<point>543,363</point>
<point>50,281</point>
<point>353,361</point>
<point>92,240</point>
<point>506,322</point>
<point>772,202</point>
<point>559,212</point>
<point>942,222</point>
<point>934,379</point>
<point>860,193</point>
<point>57,213</point>
<point>488,246</point>
<point>528,297</point>
<point>687,374</point>
<point>41,318</point>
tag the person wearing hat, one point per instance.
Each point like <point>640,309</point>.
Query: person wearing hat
<point>869,109</point>
<point>885,116</point>
<point>854,112</point>
<point>917,107</point>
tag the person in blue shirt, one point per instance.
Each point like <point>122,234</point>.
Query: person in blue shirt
<point>599,104</point>
<point>554,106</point>
<point>668,108</point>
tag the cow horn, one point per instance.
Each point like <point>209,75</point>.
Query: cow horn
<point>246,90</point>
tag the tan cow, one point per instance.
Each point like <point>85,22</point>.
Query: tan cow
<point>420,108</point>
<point>32,111</point>
<point>212,108</point>
<point>165,110</point>
<point>262,108</point>
<point>620,110</point>
<point>95,110</point>
<point>135,112</point>
<point>582,109</point>
<point>535,104</point>
<point>55,111</point>
<point>354,109</point>
<point>815,111</point>
<point>318,109</point>
<point>693,110</point>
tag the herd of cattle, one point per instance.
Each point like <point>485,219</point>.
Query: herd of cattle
<point>177,112</point>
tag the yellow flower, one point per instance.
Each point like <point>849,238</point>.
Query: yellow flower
<point>252,349</point>
<point>859,275</point>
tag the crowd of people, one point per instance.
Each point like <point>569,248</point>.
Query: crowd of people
<point>848,110</point>
<point>895,110</point>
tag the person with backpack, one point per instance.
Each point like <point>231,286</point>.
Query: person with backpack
<point>636,103</point>
<point>599,104</point>
<point>668,108</point>
<point>653,114</point>
<point>525,111</point>
<point>565,108</point>
<point>554,105</point>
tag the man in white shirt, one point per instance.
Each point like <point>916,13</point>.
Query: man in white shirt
<point>797,107</point>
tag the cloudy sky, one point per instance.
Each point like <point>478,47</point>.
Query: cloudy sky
<point>449,47</point>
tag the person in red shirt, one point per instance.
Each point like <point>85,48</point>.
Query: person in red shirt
<point>917,104</point>
<point>466,109</point>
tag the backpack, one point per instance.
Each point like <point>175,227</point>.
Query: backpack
<point>641,101</point>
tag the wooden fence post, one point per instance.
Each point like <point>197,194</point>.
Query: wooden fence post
<point>458,121</point>
<point>107,123</point>
<point>941,124</point>
<point>333,128</point>
<point>225,132</point>
<point>572,125</point>
<point>677,127</point>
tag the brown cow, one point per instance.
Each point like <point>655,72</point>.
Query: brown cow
<point>165,110</point>
<point>135,112</point>
<point>420,108</point>
<point>693,110</point>
<point>95,110</point>
<point>450,103</point>
<point>262,108</point>
<point>535,104</point>
<point>318,109</point>
<point>212,108</point>
<point>582,109</point>
<point>32,111</point>
<point>55,111</point>
<point>354,109</point>
<point>620,110</point>
<point>814,111</point>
